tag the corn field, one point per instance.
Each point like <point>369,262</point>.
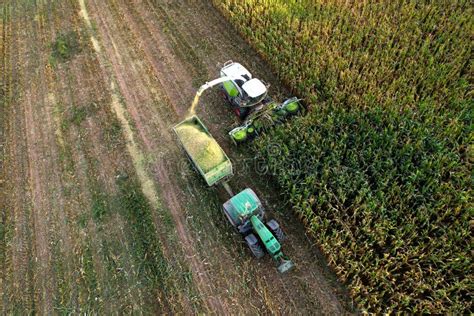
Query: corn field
<point>380,169</point>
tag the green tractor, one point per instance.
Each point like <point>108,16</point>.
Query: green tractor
<point>247,215</point>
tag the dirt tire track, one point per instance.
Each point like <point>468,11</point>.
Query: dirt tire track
<point>41,154</point>
<point>64,211</point>
<point>169,196</point>
<point>202,274</point>
<point>119,112</point>
<point>4,94</point>
<point>39,246</point>
<point>160,57</point>
<point>85,73</point>
<point>20,251</point>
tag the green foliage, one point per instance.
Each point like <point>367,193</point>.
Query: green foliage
<point>65,47</point>
<point>113,134</point>
<point>90,279</point>
<point>99,205</point>
<point>136,211</point>
<point>388,200</point>
<point>380,170</point>
<point>78,113</point>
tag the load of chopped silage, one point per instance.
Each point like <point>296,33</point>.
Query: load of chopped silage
<point>204,149</point>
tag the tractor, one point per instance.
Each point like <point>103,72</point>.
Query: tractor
<point>246,214</point>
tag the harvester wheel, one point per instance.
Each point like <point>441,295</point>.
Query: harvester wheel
<point>254,246</point>
<point>242,113</point>
<point>276,230</point>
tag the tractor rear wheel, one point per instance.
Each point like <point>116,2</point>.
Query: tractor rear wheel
<point>254,246</point>
<point>276,230</point>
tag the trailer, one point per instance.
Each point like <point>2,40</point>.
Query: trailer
<point>220,168</point>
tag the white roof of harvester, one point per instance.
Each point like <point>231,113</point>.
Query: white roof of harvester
<point>236,70</point>
<point>254,88</point>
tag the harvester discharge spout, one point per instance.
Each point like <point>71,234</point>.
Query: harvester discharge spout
<point>213,83</point>
<point>203,88</point>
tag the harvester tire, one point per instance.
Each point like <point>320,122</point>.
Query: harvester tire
<point>254,246</point>
<point>242,113</point>
<point>276,230</point>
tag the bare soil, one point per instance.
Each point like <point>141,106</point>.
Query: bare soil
<point>75,133</point>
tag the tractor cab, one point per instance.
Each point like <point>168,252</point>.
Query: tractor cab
<point>245,212</point>
<point>242,90</point>
<point>241,207</point>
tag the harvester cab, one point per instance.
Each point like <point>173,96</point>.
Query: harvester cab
<point>246,213</point>
<point>242,91</point>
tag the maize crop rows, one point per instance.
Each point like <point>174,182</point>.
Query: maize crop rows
<point>380,170</point>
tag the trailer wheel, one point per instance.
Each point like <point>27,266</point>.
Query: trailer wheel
<point>276,230</point>
<point>254,246</point>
